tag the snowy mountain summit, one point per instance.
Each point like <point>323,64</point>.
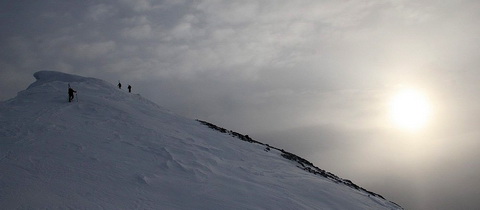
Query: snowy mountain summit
<point>116,150</point>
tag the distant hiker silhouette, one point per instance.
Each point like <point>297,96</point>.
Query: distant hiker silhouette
<point>119,85</point>
<point>129,88</point>
<point>70,93</point>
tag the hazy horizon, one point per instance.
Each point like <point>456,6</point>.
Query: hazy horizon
<point>313,77</point>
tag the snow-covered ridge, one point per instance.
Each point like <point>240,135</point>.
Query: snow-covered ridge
<point>116,150</point>
<point>50,76</point>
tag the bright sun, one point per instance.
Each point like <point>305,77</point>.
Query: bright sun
<point>410,110</point>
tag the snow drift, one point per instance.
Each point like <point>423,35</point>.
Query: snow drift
<point>115,150</point>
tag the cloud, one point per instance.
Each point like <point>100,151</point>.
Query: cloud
<point>92,50</point>
<point>138,6</point>
<point>138,32</point>
<point>312,76</point>
<point>100,12</point>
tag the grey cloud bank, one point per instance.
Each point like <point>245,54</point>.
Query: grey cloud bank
<point>311,77</point>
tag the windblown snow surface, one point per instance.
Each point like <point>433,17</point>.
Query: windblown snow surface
<point>115,150</point>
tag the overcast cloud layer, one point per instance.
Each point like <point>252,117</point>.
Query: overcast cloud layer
<point>312,77</point>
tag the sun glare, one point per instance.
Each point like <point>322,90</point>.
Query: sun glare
<point>410,110</point>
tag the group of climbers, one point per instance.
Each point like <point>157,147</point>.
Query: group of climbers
<point>71,91</point>
<point>120,87</point>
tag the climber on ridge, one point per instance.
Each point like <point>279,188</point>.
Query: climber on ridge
<point>70,93</point>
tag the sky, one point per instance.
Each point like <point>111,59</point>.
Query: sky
<point>313,77</point>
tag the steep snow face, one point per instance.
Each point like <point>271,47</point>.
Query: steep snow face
<point>115,150</point>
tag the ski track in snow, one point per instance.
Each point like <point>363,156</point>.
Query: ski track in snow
<point>115,150</point>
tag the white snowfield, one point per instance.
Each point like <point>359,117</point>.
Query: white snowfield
<point>116,150</point>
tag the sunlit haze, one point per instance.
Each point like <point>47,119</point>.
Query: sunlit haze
<point>322,79</point>
<point>410,110</point>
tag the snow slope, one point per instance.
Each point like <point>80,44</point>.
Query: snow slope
<point>115,150</point>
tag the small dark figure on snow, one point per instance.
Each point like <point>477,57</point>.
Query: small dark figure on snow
<point>119,85</point>
<point>71,91</point>
<point>129,88</point>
